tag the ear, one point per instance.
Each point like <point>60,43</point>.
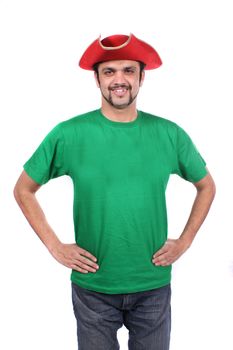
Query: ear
<point>97,79</point>
<point>142,78</point>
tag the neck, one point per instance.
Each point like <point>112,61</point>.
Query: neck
<point>127,114</point>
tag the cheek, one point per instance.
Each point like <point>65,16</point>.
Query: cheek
<point>104,85</point>
<point>135,83</point>
<point>135,86</point>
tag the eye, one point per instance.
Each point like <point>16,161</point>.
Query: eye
<point>108,72</point>
<point>129,70</point>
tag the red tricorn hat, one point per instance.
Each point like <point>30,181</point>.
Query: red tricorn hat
<point>120,47</point>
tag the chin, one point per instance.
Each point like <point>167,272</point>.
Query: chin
<point>120,106</point>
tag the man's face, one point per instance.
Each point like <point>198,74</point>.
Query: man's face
<point>119,82</point>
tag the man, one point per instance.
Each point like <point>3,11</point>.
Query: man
<point>120,160</point>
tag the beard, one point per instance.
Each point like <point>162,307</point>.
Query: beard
<point>119,104</point>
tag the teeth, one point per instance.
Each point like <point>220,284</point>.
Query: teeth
<point>119,89</point>
<point>119,92</point>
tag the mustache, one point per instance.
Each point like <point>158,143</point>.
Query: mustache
<point>122,86</point>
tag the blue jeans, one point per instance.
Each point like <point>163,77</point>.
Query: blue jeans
<point>147,316</point>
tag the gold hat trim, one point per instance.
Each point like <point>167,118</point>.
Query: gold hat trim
<point>115,47</point>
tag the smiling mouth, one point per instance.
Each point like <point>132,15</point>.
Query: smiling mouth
<point>119,91</point>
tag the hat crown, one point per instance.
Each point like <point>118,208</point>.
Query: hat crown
<point>115,41</point>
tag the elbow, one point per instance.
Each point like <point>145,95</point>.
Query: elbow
<point>20,193</point>
<point>211,188</point>
<point>25,187</point>
<point>210,191</point>
<point>206,186</point>
<point>17,193</point>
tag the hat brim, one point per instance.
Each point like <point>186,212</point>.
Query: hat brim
<point>120,47</point>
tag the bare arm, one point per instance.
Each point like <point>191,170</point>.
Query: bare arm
<point>70,255</point>
<point>174,248</point>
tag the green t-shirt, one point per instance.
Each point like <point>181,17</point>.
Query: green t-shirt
<point>120,172</point>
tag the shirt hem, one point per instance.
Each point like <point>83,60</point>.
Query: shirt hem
<point>157,285</point>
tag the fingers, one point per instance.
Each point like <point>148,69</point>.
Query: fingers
<point>85,265</point>
<point>86,253</point>
<point>160,258</point>
<point>84,261</point>
<point>76,258</point>
<point>168,254</point>
<point>83,268</point>
<point>163,260</point>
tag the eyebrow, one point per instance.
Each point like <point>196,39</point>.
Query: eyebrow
<point>114,69</point>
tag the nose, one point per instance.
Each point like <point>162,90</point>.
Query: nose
<point>119,77</point>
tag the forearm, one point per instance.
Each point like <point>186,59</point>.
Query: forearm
<point>35,216</point>
<point>174,248</point>
<point>69,255</point>
<point>200,209</point>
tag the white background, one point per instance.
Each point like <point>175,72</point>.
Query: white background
<point>41,85</point>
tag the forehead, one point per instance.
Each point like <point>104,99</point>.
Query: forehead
<point>119,64</point>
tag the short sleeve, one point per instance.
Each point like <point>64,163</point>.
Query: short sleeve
<point>47,161</point>
<point>190,164</point>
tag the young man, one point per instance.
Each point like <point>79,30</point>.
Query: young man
<point>120,160</point>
